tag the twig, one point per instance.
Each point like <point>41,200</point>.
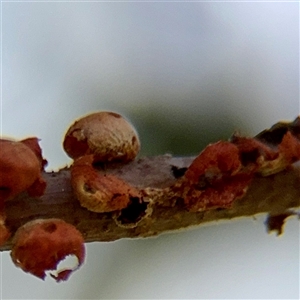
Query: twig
<point>275,194</point>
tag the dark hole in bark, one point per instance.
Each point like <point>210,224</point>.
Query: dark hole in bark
<point>180,203</point>
<point>178,172</point>
<point>220,209</point>
<point>249,157</point>
<point>98,163</point>
<point>134,212</point>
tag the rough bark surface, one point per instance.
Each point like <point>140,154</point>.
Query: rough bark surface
<point>275,195</point>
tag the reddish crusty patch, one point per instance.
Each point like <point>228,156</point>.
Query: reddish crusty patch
<point>221,157</point>
<point>220,193</point>
<point>40,245</point>
<point>215,178</point>
<point>223,171</point>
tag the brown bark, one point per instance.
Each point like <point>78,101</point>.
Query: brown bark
<point>275,195</point>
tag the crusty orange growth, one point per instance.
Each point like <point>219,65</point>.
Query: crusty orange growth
<point>223,171</point>
<point>99,192</point>
<point>106,134</point>
<point>40,245</point>
<point>215,178</point>
<point>20,169</point>
<point>219,157</point>
<point>21,164</point>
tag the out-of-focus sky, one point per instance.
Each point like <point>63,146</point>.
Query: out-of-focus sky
<point>185,74</point>
<point>188,71</point>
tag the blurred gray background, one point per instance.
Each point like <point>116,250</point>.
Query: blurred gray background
<point>185,74</point>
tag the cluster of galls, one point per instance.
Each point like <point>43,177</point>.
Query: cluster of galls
<point>40,245</point>
<point>101,138</point>
<point>223,171</point>
<point>217,177</point>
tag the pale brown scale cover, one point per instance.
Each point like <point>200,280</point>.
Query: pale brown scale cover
<point>106,134</point>
<point>39,246</point>
<point>99,192</point>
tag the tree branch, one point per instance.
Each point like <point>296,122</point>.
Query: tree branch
<point>155,176</point>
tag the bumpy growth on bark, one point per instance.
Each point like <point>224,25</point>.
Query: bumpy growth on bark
<point>223,171</point>
<point>21,164</point>
<point>106,196</point>
<point>40,245</point>
<point>106,134</point>
<point>99,192</point>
